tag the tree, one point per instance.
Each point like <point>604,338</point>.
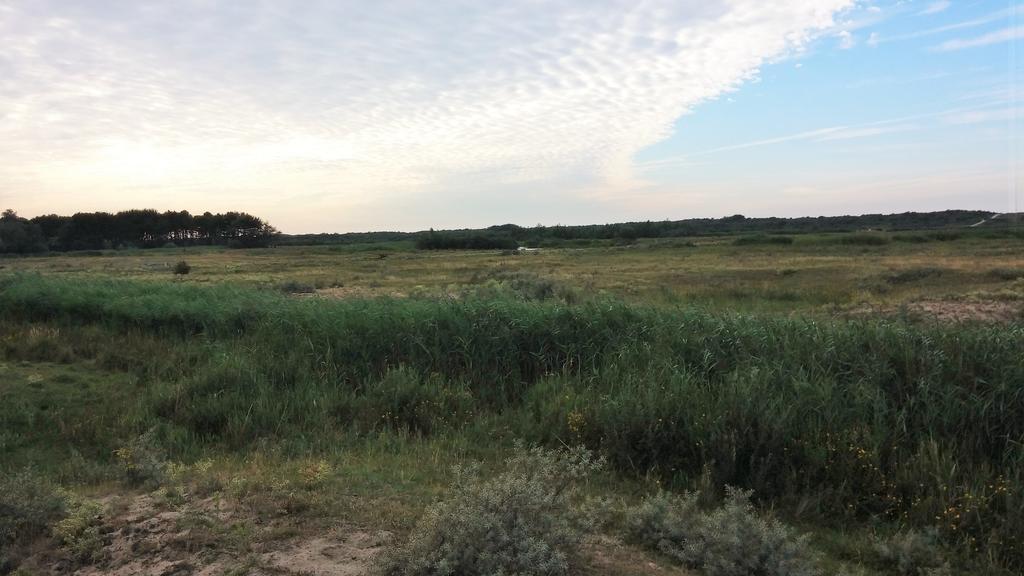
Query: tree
<point>18,235</point>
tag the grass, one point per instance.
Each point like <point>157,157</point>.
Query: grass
<point>686,364</point>
<point>825,270</point>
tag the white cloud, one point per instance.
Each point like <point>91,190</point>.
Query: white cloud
<point>936,7</point>
<point>106,104</point>
<point>846,40</point>
<point>997,37</point>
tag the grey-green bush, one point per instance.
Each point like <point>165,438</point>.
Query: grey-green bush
<point>521,522</point>
<point>913,553</point>
<point>29,505</point>
<point>731,540</point>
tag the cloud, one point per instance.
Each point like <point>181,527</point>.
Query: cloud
<point>961,115</point>
<point>154,103</point>
<point>936,7</point>
<point>982,20</point>
<point>1002,115</point>
<point>846,40</point>
<point>997,37</point>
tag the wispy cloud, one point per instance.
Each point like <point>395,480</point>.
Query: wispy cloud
<point>1006,114</point>
<point>936,7</point>
<point>960,115</point>
<point>996,37</point>
<point>982,20</point>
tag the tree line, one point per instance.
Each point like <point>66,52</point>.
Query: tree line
<point>131,229</point>
<point>510,235</point>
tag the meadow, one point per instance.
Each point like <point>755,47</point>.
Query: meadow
<point>867,387</point>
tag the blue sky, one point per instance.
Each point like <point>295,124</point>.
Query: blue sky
<point>341,115</point>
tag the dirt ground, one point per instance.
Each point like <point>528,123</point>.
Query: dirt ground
<point>143,536</point>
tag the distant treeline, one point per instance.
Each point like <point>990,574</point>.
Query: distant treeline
<point>510,235</point>
<point>149,228</point>
<point>131,229</point>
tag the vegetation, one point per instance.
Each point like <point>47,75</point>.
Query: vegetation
<point>806,372</point>
<point>914,425</point>
<point>520,522</point>
<point>731,540</point>
<point>131,229</point>
<point>465,241</point>
<point>19,236</point>
<point>511,235</point>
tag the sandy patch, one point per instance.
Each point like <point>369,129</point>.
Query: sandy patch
<point>950,311</point>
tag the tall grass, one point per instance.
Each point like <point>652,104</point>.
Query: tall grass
<point>920,425</point>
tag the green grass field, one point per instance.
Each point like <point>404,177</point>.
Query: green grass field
<point>863,388</point>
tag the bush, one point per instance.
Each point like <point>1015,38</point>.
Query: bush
<point>1006,274</point>
<point>865,239</point>
<point>29,504</point>
<point>913,275</point>
<point>142,461</point>
<point>521,285</point>
<point>520,522</point>
<point>294,287</point>
<point>731,540</point>
<point>79,533</point>
<point>762,239</point>
<point>663,521</point>
<point>182,268</point>
<point>913,554</point>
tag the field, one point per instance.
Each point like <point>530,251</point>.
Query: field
<point>298,409</point>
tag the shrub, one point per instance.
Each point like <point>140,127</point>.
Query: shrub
<point>913,554</point>
<point>762,239</point>
<point>29,504</point>
<point>1006,274</point>
<point>731,540</point>
<point>520,285</point>
<point>663,521</point>
<point>142,461</point>
<point>294,287</point>
<point>913,275</point>
<point>182,268</point>
<point>79,533</point>
<point>865,239</point>
<point>520,522</point>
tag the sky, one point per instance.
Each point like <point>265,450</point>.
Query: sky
<point>345,115</point>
